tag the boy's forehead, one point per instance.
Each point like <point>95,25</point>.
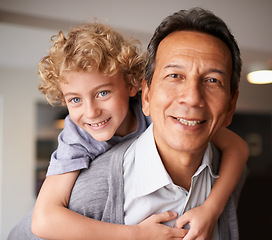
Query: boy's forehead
<point>93,77</point>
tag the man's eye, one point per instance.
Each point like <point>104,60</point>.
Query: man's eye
<point>103,94</point>
<point>174,75</point>
<point>214,80</point>
<point>75,100</point>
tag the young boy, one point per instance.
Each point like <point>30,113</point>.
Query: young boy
<point>97,74</point>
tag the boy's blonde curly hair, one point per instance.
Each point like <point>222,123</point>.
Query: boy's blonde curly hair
<point>89,47</point>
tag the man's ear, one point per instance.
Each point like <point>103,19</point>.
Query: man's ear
<point>145,98</point>
<point>231,110</point>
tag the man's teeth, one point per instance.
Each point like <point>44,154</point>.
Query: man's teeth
<point>187,122</point>
<point>99,124</point>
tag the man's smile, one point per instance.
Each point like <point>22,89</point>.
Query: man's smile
<point>188,122</point>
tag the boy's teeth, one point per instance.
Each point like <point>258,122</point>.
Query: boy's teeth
<point>99,124</point>
<point>187,122</point>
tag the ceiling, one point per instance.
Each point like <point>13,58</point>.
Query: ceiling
<point>27,25</point>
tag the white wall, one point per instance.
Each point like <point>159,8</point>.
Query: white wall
<point>19,93</point>
<point>18,88</point>
<point>249,19</point>
<point>1,171</point>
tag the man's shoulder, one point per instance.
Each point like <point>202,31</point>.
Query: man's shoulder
<point>103,166</point>
<point>94,185</point>
<point>118,150</point>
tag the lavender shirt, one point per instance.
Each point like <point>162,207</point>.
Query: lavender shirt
<point>76,147</point>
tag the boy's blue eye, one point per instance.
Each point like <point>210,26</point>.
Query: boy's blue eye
<point>75,100</point>
<point>103,93</point>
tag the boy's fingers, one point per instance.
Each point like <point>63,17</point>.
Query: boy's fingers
<point>164,217</point>
<point>181,221</point>
<point>190,236</point>
<point>180,233</point>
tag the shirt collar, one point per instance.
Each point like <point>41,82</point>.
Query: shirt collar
<point>149,168</point>
<point>207,162</point>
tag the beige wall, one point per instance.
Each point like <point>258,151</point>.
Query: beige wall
<point>19,93</point>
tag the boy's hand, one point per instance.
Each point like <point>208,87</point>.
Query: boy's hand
<point>152,228</point>
<point>202,223</point>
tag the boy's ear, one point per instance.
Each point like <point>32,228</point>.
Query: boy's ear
<point>145,98</point>
<point>132,91</point>
<point>231,110</point>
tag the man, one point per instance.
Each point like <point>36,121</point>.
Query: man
<point>190,92</point>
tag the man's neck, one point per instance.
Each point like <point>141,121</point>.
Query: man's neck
<point>182,166</point>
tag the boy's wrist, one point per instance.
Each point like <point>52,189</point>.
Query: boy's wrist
<point>134,232</point>
<point>214,208</point>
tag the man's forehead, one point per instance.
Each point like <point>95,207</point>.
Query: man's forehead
<point>191,40</point>
<point>188,43</point>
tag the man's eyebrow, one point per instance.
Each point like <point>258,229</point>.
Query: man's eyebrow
<point>173,65</point>
<point>215,70</point>
<point>211,70</point>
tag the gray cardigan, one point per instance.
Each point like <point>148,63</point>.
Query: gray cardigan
<point>99,194</point>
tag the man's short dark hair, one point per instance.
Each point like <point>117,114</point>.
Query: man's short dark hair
<point>198,20</point>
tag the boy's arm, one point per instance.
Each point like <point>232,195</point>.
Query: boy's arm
<point>53,220</point>
<point>235,153</point>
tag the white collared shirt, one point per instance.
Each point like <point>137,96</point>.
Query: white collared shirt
<point>150,190</point>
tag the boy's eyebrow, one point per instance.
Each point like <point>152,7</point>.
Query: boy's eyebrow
<point>69,93</point>
<point>94,90</point>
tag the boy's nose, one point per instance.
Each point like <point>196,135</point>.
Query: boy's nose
<point>92,110</point>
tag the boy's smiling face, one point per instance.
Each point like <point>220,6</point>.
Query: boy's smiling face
<point>99,104</point>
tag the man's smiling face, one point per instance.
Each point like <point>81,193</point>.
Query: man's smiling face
<point>189,97</point>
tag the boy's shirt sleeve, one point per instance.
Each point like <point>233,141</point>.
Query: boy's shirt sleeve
<point>76,148</point>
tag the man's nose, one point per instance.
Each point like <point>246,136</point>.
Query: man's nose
<point>192,93</point>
